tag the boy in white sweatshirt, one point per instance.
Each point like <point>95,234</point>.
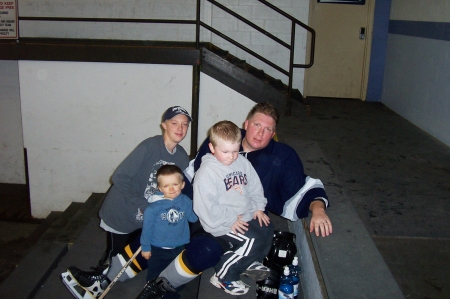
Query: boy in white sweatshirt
<point>229,201</point>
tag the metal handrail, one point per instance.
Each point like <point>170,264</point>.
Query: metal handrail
<point>198,23</point>
<point>108,20</point>
<point>294,22</point>
<point>245,48</point>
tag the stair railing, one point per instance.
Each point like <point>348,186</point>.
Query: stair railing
<point>290,47</point>
<point>198,23</point>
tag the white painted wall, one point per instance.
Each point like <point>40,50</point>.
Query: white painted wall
<point>80,120</point>
<point>12,166</point>
<point>219,102</point>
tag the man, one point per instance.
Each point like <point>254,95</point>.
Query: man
<point>290,194</point>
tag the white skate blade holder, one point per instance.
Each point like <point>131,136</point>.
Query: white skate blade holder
<point>80,292</point>
<point>120,273</point>
<point>73,286</point>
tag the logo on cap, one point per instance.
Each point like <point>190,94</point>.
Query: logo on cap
<point>174,111</point>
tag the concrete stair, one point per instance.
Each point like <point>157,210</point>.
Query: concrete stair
<point>53,239</point>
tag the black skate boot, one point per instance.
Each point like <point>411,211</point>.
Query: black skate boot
<point>84,284</point>
<point>103,263</point>
<point>156,289</point>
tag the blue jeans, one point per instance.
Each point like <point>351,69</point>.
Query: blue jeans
<point>160,259</point>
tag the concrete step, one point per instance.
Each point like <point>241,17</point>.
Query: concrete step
<point>77,240</point>
<point>85,253</point>
<point>53,238</point>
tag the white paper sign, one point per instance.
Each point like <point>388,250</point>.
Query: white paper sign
<point>8,19</point>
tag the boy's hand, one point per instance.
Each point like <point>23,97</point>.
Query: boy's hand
<point>239,226</point>
<point>262,217</point>
<point>146,254</point>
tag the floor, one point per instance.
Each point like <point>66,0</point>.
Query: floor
<point>397,177</point>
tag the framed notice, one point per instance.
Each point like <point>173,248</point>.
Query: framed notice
<point>8,19</point>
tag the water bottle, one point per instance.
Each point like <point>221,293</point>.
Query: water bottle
<point>286,289</point>
<point>294,270</point>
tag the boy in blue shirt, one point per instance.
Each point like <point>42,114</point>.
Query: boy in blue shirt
<point>166,230</point>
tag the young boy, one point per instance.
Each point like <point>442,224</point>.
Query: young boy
<point>230,203</point>
<point>166,230</point>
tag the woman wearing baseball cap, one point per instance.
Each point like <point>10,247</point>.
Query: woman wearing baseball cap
<point>134,181</point>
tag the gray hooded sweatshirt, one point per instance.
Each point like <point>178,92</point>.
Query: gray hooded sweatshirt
<point>221,193</point>
<point>135,181</point>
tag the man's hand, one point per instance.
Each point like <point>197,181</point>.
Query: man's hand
<point>239,226</point>
<point>146,254</point>
<point>262,217</point>
<point>320,223</point>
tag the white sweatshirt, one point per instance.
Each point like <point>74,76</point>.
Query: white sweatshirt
<point>221,193</point>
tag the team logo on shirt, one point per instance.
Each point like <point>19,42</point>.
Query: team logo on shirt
<point>173,215</point>
<point>235,180</point>
<point>139,216</point>
<point>152,185</point>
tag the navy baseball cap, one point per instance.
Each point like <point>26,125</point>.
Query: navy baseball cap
<point>171,112</point>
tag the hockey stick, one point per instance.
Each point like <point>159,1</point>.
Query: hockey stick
<point>124,268</point>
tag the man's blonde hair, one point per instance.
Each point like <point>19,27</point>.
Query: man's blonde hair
<point>266,109</point>
<point>224,130</point>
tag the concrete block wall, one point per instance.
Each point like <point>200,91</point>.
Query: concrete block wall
<point>12,166</point>
<point>418,65</point>
<point>273,23</point>
<point>155,9</point>
<point>11,159</point>
<point>177,9</point>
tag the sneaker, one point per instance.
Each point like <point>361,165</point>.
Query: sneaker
<point>257,271</point>
<point>230,287</point>
<point>93,282</point>
<point>156,289</point>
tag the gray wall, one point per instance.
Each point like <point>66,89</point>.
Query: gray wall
<point>12,169</point>
<point>417,74</point>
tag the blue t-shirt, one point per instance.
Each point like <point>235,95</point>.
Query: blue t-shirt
<point>166,222</point>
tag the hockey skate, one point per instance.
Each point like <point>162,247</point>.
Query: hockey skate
<point>84,285</point>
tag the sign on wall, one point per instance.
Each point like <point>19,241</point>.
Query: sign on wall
<point>8,19</point>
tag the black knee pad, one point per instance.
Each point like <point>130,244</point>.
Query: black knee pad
<point>282,251</point>
<point>202,253</point>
